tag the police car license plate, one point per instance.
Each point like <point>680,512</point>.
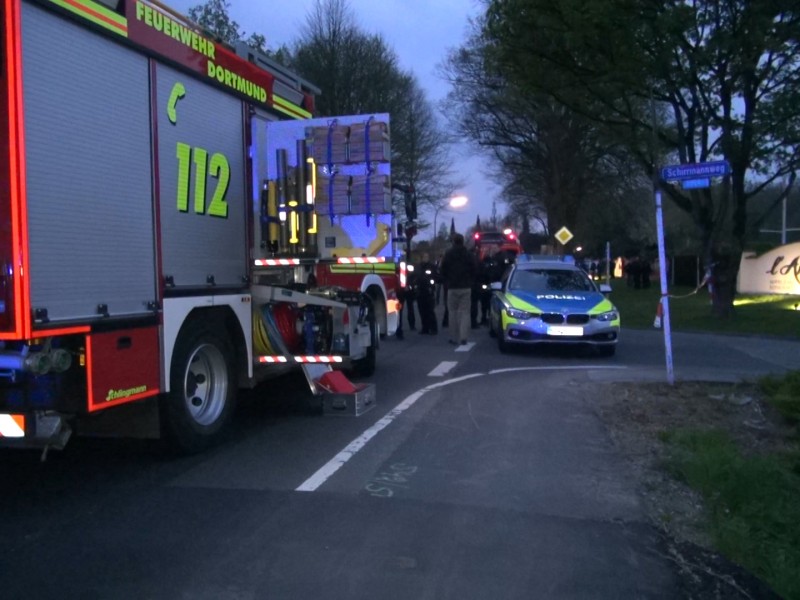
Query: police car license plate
<point>564,330</point>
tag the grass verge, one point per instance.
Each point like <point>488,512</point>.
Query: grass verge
<point>761,315</point>
<point>784,394</point>
<point>752,501</point>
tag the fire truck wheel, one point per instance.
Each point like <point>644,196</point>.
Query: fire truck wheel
<point>203,391</point>
<point>365,367</point>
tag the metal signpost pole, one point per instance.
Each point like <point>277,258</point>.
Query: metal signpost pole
<point>662,270</point>
<point>692,176</point>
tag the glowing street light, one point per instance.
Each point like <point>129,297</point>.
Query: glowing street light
<point>454,202</point>
<point>458,201</point>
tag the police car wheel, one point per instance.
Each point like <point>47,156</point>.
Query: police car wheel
<point>502,344</point>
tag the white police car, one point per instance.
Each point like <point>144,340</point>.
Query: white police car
<point>549,300</point>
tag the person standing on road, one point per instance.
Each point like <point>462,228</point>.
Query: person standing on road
<point>486,274</point>
<point>411,296</point>
<point>458,271</point>
<point>475,297</point>
<point>427,278</point>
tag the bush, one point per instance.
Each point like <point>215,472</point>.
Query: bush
<point>784,394</point>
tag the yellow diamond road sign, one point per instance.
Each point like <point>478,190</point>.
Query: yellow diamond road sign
<point>564,235</point>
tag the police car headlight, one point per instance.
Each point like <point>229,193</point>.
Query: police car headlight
<point>518,314</point>
<point>611,315</point>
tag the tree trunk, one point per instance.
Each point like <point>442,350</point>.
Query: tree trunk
<point>724,272</point>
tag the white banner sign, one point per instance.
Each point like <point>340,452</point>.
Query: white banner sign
<point>776,272</point>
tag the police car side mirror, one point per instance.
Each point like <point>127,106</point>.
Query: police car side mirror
<point>496,285</point>
<point>605,288</point>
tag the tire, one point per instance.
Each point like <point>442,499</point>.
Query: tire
<point>502,344</point>
<point>365,367</point>
<point>202,389</point>
<point>609,350</point>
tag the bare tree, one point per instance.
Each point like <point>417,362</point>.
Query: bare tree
<point>213,16</point>
<point>549,158</point>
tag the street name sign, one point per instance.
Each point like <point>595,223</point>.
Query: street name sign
<point>694,184</point>
<point>695,171</point>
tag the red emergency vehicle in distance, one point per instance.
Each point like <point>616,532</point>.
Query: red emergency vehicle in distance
<point>489,243</point>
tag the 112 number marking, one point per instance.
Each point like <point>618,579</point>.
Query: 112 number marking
<point>218,167</point>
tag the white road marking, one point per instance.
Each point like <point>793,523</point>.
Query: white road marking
<point>334,464</point>
<point>465,347</point>
<point>337,462</point>
<point>564,368</point>
<point>443,368</point>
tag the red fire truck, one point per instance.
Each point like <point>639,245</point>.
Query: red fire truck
<point>175,226</point>
<point>490,243</point>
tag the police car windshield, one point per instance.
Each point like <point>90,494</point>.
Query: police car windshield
<point>550,280</point>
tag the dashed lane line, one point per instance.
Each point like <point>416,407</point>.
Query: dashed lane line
<point>443,368</point>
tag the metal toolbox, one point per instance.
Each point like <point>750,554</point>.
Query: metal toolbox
<point>350,404</point>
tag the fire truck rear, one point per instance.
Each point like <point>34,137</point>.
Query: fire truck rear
<point>492,243</point>
<point>175,226</point>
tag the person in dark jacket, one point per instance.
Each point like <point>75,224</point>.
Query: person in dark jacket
<point>410,296</point>
<point>427,278</point>
<point>459,271</point>
<point>486,275</point>
<point>475,297</point>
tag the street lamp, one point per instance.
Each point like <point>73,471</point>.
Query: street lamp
<point>454,202</point>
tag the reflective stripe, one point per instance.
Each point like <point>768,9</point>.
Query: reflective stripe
<point>360,260</point>
<point>384,268</point>
<point>96,13</point>
<point>601,307</point>
<point>318,359</point>
<point>289,108</point>
<point>300,359</point>
<point>276,262</point>
<point>12,426</point>
<point>272,359</point>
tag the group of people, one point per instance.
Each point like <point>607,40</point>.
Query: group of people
<point>465,281</point>
<point>637,272</point>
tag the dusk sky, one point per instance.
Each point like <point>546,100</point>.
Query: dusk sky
<point>419,31</point>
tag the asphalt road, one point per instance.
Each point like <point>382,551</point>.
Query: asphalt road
<point>477,475</point>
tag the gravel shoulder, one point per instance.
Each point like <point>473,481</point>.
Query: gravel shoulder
<point>637,415</point>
